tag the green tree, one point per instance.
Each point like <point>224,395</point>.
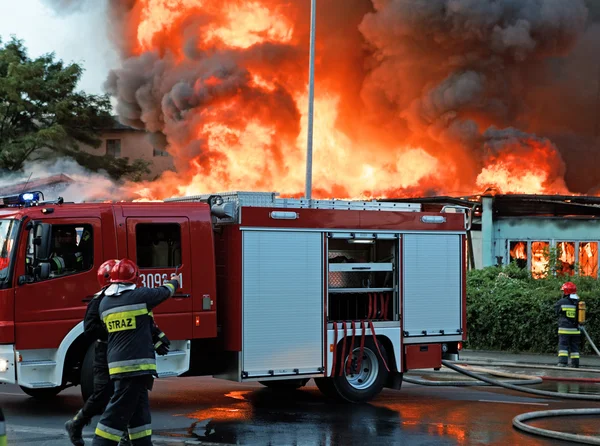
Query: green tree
<point>42,116</point>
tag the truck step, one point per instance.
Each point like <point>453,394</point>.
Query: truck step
<point>42,384</point>
<point>38,363</point>
<point>176,353</point>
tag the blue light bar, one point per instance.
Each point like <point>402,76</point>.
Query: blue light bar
<point>25,199</point>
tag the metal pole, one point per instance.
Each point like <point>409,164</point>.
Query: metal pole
<point>311,97</point>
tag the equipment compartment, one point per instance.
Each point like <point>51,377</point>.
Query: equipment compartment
<point>362,278</point>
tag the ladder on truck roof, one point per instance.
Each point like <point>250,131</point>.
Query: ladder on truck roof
<point>271,199</point>
<point>230,203</point>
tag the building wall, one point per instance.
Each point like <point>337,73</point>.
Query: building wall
<point>134,145</point>
<point>536,229</point>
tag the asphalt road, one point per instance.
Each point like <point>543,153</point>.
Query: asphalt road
<point>223,412</point>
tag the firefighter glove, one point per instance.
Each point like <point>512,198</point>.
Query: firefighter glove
<point>162,344</point>
<point>175,283</point>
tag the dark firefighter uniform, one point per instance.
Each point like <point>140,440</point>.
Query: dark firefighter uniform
<point>2,430</point>
<point>95,330</point>
<point>131,362</point>
<point>568,330</point>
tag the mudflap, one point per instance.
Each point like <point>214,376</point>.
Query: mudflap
<point>394,381</point>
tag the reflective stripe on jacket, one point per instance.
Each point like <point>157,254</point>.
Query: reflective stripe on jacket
<point>129,324</point>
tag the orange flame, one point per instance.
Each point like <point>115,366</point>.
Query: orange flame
<point>519,251</point>
<point>248,142</point>
<point>539,259</point>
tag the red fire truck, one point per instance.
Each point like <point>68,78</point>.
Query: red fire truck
<point>273,290</point>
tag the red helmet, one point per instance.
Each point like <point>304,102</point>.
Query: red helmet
<point>125,271</point>
<point>569,288</point>
<point>103,273</point>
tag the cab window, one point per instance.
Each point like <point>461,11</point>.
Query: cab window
<point>158,245</point>
<point>72,249</point>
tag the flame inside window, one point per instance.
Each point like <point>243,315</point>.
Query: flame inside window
<point>588,259</point>
<point>539,259</point>
<point>518,253</point>
<point>566,258</point>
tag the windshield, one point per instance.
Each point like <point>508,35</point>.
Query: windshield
<point>8,234</point>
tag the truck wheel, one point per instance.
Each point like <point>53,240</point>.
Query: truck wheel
<point>43,394</point>
<point>285,384</point>
<point>87,373</point>
<point>362,385</point>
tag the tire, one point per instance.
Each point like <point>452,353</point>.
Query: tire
<point>87,373</point>
<point>43,394</point>
<point>325,385</point>
<point>285,384</point>
<point>359,386</point>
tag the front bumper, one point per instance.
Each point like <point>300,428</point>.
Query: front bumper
<point>7,364</point>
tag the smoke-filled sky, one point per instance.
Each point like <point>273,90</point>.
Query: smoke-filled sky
<point>74,34</point>
<point>412,96</point>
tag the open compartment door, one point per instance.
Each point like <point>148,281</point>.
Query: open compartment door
<point>282,304</point>
<point>432,287</point>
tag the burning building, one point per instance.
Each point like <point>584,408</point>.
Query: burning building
<point>529,229</point>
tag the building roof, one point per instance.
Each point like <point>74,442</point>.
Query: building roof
<point>519,205</point>
<point>37,184</point>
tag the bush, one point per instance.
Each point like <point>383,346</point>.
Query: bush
<point>510,311</point>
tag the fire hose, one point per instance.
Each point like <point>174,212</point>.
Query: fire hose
<point>519,421</point>
<point>372,313</point>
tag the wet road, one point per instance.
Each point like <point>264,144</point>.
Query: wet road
<point>224,412</point>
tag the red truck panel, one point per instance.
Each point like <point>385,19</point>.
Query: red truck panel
<point>336,219</point>
<point>423,356</point>
<point>228,247</point>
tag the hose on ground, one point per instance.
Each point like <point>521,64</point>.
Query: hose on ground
<point>495,382</point>
<point>519,423</point>
<point>582,328</point>
<point>518,379</point>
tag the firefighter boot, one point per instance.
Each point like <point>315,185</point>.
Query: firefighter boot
<point>74,428</point>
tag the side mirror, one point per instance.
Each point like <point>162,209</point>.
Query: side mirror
<point>42,241</point>
<point>44,271</point>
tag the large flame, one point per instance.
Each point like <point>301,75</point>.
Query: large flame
<point>398,110</point>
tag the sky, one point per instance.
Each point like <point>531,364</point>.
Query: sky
<point>78,37</point>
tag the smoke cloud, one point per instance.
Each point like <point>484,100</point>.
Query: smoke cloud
<point>453,85</point>
<point>86,185</point>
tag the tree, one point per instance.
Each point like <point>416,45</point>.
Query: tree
<point>42,116</point>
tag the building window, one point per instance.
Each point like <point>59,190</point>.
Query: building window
<point>158,245</point>
<point>565,258</point>
<point>539,259</point>
<point>588,259</point>
<point>518,253</point>
<point>158,152</point>
<point>113,147</point>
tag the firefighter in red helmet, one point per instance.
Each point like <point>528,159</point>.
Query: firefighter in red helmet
<point>126,311</point>
<point>568,326</point>
<point>95,332</point>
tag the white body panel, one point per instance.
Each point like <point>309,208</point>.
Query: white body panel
<point>432,286</point>
<point>44,367</point>
<point>282,303</point>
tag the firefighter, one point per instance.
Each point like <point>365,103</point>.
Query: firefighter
<point>568,327</point>
<point>126,313</point>
<point>96,332</point>
<point>66,255</point>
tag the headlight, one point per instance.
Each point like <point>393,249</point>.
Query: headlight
<point>3,365</point>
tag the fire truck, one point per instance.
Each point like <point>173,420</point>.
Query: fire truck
<point>351,294</point>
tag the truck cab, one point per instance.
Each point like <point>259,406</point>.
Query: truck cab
<point>49,255</point>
